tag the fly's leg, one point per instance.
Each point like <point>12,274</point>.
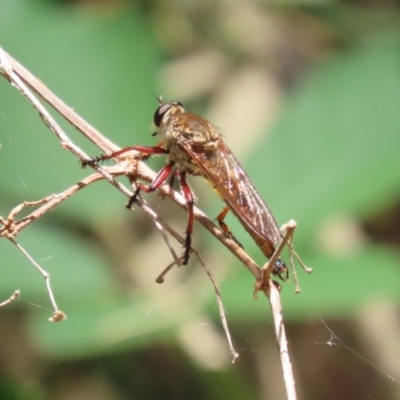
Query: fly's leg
<point>161,177</point>
<point>220,218</point>
<point>287,239</point>
<point>279,268</point>
<point>188,194</point>
<point>146,150</point>
<point>171,179</point>
<point>276,266</point>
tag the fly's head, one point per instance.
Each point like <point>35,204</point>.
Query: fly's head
<point>184,133</point>
<point>164,116</point>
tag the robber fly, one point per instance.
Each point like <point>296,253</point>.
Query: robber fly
<point>194,146</point>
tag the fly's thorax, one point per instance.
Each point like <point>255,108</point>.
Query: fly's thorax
<point>181,159</point>
<point>187,134</point>
<point>191,127</point>
<point>177,154</point>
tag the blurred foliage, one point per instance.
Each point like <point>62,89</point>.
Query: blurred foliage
<point>306,94</point>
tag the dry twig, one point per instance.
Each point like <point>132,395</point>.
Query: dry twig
<point>13,297</point>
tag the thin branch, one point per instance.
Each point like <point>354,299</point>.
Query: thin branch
<point>13,297</point>
<point>221,308</point>
<point>160,278</point>
<point>272,292</point>
<point>9,65</point>
<point>58,315</point>
<point>162,227</point>
<point>11,229</point>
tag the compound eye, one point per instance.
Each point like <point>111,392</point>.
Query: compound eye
<point>159,114</point>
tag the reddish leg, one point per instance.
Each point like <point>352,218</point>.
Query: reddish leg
<point>161,177</point>
<point>188,194</point>
<point>220,218</point>
<point>148,150</point>
<point>171,180</point>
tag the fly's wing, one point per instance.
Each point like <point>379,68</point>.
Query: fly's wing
<point>225,173</point>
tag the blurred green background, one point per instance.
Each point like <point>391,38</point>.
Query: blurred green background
<point>307,94</point>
